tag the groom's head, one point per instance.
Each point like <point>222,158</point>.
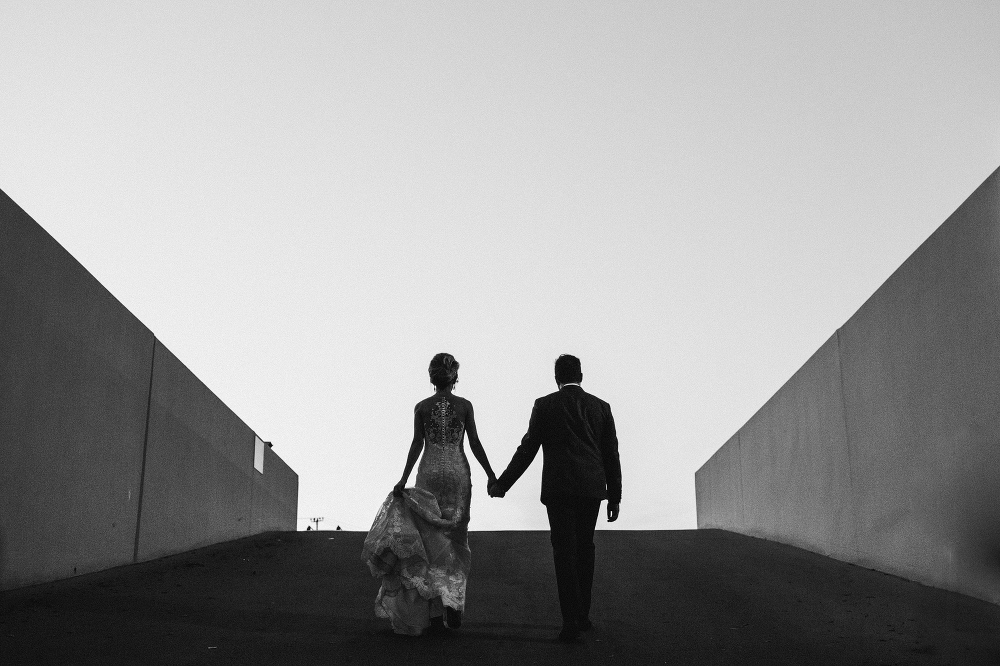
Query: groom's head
<point>568,370</point>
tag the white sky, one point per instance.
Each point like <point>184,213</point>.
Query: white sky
<point>305,201</point>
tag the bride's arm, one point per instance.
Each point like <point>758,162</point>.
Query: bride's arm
<point>416,446</point>
<point>477,446</point>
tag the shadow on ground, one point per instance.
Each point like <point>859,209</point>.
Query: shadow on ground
<point>677,597</point>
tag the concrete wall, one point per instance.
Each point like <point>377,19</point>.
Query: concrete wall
<point>272,507</point>
<point>884,448</point>
<point>80,380</point>
<point>74,376</point>
<point>199,465</point>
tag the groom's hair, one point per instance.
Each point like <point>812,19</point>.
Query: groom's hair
<point>568,369</point>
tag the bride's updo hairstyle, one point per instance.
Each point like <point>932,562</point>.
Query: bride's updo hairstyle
<point>443,370</point>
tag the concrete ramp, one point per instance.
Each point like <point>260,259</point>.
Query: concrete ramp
<point>677,597</point>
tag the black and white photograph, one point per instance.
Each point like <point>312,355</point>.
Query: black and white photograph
<point>629,332</point>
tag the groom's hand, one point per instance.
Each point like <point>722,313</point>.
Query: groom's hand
<point>612,512</point>
<point>494,491</point>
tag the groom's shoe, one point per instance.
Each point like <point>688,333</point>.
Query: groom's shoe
<point>570,634</point>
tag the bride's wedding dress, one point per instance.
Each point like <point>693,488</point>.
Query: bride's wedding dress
<point>419,543</point>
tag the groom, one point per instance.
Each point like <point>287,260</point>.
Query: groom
<point>580,467</point>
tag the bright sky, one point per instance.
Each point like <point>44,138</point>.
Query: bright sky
<point>305,201</point>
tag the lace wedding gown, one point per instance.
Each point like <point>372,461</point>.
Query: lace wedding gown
<point>419,543</point>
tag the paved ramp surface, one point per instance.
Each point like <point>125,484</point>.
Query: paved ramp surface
<point>672,597</point>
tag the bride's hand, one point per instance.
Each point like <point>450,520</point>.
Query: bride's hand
<point>397,490</point>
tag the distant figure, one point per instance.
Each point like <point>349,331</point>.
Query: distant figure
<point>419,542</point>
<point>580,467</point>
<point>338,528</point>
<point>309,528</point>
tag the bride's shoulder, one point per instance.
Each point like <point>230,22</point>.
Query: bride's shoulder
<point>465,403</point>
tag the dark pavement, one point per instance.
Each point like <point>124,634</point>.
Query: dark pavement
<point>672,597</point>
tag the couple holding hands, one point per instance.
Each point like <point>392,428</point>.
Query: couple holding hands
<point>418,544</point>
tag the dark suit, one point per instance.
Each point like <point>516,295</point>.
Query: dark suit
<point>580,467</point>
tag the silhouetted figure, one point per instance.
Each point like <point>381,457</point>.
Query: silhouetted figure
<point>431,519</point>
<point>309,528</point>
<point>580,467</point>
<point>338,528</point>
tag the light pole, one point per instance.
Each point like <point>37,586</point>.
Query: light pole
<point>316,520</point>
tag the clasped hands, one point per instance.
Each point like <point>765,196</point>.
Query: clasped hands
<point>492,489</point>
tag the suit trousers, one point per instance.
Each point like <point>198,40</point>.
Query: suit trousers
<point>572,521</point>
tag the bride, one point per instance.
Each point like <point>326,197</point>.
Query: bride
<point>419,542</point>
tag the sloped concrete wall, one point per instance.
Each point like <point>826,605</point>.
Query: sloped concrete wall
<point>112,451</point>
<point>795,463</point>
<point>884,448</point>
<point>74,376</point>
<point>199,465</point>
<point>719,489</point>
<point>274,495</point>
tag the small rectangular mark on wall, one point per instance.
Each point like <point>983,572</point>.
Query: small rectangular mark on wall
<point>258,454</point>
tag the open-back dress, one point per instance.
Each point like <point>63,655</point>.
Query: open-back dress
<point>419,543</point>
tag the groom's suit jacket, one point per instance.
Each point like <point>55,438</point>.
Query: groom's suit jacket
<point>576,433</point>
